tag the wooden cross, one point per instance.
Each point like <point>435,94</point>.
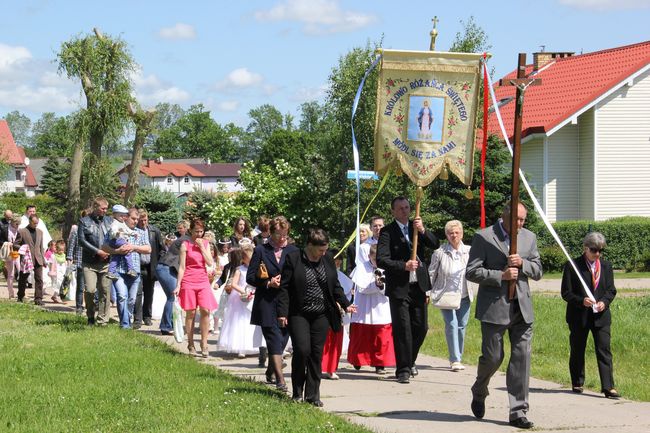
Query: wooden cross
<point>522,82</point>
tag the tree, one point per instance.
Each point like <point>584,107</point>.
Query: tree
<point>162,207</point>
<point>294,147</point>
<point>311,116</point>
<point>196,134</point>
<point>103,65</point>
<point>20,126</point>
<point>51,136</point>
<point>55,178</point>
<point>143,124</point>
<point>472,39</point>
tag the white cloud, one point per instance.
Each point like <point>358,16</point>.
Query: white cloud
<point>306,94</point>
<point>33,85</point>
<point>317,16</point>
<point>227,106</point>
<point>178,31</point>
<point>606,4</point>
<point>240,78</point>
<point>10,56</point>
<point>150,90</point>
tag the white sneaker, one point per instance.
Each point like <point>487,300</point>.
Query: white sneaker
<point>334,376</point>
<point>457,366</point>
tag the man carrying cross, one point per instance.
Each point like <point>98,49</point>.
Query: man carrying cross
<point>493,268</point>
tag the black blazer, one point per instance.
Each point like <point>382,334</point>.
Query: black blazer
<point>574,294</point>
<point>393,252</point>
<point>265,312</point>
<point>294,281</point>
<point>156,242</point>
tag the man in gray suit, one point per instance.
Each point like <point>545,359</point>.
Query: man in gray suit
<point>491,266</point>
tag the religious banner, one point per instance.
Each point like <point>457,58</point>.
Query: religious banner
<point>426,114</point>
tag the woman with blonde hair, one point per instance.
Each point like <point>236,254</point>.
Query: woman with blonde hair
<point>447,273</point>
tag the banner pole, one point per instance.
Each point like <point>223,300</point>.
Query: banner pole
<point>418,200</point>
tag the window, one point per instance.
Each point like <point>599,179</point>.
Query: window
<point>19,175</point>
<point>186,180</point>
<point>170,180</point>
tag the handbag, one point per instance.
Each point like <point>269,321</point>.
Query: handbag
<point>262,272</point>
<point>447,301</point>
<point>177,322</point>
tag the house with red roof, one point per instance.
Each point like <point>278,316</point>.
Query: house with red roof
<point>19,177</point>
<point>183,178</point>
<point>585,131</point>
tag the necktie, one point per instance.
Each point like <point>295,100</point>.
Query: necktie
<point>405,230</point>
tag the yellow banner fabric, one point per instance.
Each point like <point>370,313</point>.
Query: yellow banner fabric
<point>426,114</point>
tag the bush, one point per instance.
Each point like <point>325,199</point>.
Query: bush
<point>627,241</point>
<point>553,258</point>
<point>162,206</point>
<point>49,209</point>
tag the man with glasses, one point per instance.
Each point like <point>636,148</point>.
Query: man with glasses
<point>492,267</point>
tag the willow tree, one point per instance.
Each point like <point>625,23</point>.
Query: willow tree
<point>143,121</point>
<point>103,66</point>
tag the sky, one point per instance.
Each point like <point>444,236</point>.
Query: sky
<point>235,56</point>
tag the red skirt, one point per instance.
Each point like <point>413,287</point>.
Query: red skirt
<point>332,351</point>
<point>371,345</point>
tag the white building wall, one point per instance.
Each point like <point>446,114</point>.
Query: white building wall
<point>562,188</point>
<point>623,151</point>
<point>586,163</point>
<point>532,163</point>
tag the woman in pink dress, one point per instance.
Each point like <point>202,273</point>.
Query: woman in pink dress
<point>193,287</point>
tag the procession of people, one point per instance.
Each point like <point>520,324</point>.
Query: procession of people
<point>275,297</point>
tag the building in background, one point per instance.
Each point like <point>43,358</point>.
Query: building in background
<point>18,176</point>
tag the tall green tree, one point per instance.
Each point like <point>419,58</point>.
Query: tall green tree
<point>51,136</point>
<point>196,134</point>
<point>311,116</point>
<point>471,39</point>
<point>55,178</point>
<point>20,126</point>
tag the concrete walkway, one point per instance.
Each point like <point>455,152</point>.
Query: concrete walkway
<point>437,399</point>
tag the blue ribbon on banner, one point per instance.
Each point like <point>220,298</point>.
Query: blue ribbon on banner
<point>355,149</point>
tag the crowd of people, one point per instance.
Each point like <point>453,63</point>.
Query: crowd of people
<point>258,291</point>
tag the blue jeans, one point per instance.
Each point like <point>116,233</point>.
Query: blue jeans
<point>167,279</point>
<point>126,288</point>
<point>455,324</point>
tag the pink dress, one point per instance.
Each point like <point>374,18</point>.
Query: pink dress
<point>195,285</point>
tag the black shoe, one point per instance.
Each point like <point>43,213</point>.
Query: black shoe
<point>578,389</point>
<point>611,393</point>
<point>39,303</point>
<point>166,332</point>
<point>147,322</point>
<point>21,300</point>
<point>403,378</point>
<point>91,322</point>
<point>521,422</point>
<point>282,387</point>
<point>478,409</point>
<point>261,359</point>
<point>414,371</point>
<point>380,370</point>
<point>137,325</point>
<point>357,367</point>
<point>316,403</point>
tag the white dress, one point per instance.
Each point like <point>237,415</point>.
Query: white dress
<point>237,334</point>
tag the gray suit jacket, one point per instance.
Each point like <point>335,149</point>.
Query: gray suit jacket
<point>487,260</point>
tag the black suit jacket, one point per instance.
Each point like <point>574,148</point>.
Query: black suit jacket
<point>265,312</point>
<point>156,243</point>
<point>393,251</point>
<point>294,282</point>
<point>574,294</point>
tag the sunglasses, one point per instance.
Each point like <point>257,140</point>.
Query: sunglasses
<point>596,250</point>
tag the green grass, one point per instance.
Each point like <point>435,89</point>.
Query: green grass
<point>550,357</point>
<point>617,275</point>
<point>57,374</point>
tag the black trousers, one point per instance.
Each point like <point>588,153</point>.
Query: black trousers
<point>308,334</point>
<point>578,342</point>
<point>410,327</point>
<point>144,298</point>
<point>38,283</point>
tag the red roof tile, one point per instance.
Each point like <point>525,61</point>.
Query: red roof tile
<point>8,150</point>
<point>218,169</point>
<point>568,85</point>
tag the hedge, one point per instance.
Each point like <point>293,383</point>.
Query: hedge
<point>628,242</point>
<point>49,209</point>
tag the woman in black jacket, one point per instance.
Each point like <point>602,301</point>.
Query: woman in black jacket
<point>584,314</point>
<point>264,274</point>
<point>307,305</point>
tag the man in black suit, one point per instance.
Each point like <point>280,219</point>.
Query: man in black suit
<point>144,299</point>
<point>406,293</point>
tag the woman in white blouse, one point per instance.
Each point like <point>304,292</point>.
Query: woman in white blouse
<point>447,272</point>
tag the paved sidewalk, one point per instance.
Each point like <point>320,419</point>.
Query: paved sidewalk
<point>437,399</point>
